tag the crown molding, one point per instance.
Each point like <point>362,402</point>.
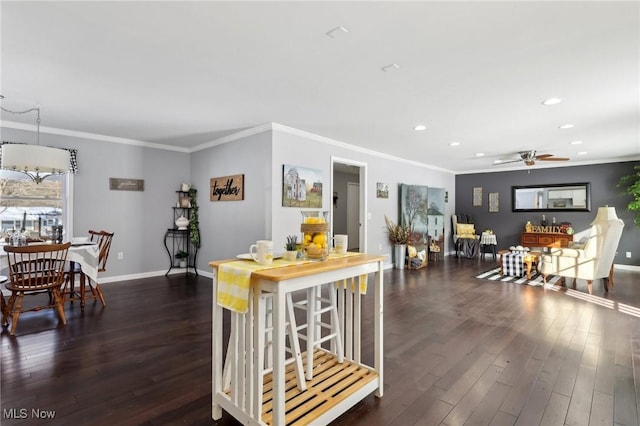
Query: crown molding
<point>90,136</point>
<point>329,141</point>
<point>233,137</point>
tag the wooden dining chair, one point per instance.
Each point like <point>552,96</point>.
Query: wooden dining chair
<point>33,270</point>
<point>103,239</point>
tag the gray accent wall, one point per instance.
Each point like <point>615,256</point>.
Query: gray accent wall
<point>508,225</point>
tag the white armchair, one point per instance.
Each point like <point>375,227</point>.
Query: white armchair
<point>591,256</point>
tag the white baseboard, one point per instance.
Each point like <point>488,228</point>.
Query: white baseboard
<point>634,268</point>
<point>209,274</point>
<point>151,274</point>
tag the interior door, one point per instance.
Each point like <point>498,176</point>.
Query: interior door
<point>353,215</point>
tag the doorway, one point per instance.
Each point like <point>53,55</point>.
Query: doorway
<point>348,185</point>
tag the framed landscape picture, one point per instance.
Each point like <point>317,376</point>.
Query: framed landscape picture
<point>382,190</point>
<point>301,187</point>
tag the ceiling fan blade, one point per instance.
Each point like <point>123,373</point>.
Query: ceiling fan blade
<point>553,159</point>
<point>507,161</point>
<point>542,156</point>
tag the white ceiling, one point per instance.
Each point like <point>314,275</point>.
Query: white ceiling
<point>186,73</point>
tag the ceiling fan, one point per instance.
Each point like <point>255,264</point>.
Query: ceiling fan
<point>530,157</point>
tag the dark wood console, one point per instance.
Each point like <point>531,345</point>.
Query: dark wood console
<point>545,239</point>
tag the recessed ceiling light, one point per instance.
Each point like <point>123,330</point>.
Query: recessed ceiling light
<point>420,127</point>
<point>582,153</point>
<point>454,144</point>
<point>337,31</point>
<point>497,161</point>
<point>480,154</point>
<point>390,67</point>
<point>551,101</point>
<point>576,142</point>
<point>566,126</point>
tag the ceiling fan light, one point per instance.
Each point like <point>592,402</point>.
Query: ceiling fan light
<point>552,101</point>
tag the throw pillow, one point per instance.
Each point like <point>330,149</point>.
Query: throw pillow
<point>465,230</point>
<point>412,251</point>
<point>580,245</point>
<point>422,254</point>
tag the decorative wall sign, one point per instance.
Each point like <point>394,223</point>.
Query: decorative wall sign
<point>121,184</point>
<point>226,188</point>
<point>301,187</point>
<point>382,190</point>
<point>477,196</point>
<point>494,204</point>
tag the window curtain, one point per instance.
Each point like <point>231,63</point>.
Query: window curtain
<point>73,156</point>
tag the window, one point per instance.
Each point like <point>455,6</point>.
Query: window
<point>33,207</point>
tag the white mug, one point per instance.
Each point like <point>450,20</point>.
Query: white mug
<point>262,252</point>
<point>340,243</point>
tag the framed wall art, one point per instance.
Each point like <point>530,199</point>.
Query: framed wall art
<point>301,187</point>
<point>477,196</point>
<point>494,205</point>
<point>382,190</point>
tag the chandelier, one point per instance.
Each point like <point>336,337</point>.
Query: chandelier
<point>36,161</point>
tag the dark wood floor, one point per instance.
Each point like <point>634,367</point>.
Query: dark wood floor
<point>458,351</point>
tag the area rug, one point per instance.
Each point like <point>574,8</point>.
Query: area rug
<point>536,278</point>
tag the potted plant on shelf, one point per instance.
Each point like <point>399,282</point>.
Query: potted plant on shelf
<point>194,229</point>
<point>398,236</point>
<point>292,248</point>
<point>182,258</point>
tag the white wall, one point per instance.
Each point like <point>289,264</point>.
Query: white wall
<point>228,228</point>
<point>138,219</point>
<point>295,147</point>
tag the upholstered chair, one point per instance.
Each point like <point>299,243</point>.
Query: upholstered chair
<point>465,239</point>
<point>591,255</point>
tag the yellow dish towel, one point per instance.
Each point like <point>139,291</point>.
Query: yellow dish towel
<point>362,281</point>
<point>234,281</point>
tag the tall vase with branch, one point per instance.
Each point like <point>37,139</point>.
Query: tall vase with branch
<point>398,236</point>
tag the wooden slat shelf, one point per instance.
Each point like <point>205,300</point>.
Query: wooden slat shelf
<point>332,383</point>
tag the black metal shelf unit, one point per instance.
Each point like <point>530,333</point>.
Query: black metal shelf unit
<point>178,240</point>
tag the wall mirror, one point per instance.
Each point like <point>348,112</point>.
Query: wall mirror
<point>573,197</point>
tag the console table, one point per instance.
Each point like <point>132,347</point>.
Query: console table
<point>240,384</point>
<point>545,239</point>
